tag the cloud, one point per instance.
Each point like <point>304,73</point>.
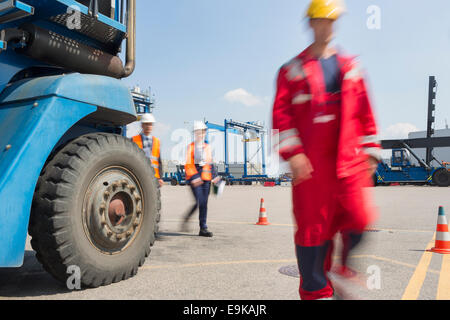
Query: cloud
<point>399,131</point>
<point>243,97</point>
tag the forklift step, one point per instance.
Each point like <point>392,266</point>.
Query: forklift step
<point>11,10</point>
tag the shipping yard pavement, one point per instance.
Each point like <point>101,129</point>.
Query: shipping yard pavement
<point>248,262</point>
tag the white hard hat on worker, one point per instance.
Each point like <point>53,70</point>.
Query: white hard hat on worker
<point>148,118</point>
<point>147,122</point>
<point>199,126</point>
<point>325,9</point>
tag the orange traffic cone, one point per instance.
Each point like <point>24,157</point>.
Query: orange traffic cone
<point>262,215</point>
<point>442,234</point>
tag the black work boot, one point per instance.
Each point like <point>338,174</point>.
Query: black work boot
<point>205,233</point>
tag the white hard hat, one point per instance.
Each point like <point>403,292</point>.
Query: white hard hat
<point>148,118</point>
<point>200,125</point>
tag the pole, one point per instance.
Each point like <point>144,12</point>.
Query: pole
<point>431,116</point>
<point>227,169</point>
<point>245,157</point>
<point>263,147</point>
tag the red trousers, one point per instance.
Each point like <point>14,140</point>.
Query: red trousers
<point>326,205</point>
<point>322,208</point>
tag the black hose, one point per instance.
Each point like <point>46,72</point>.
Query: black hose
<point>52,48</point>
<point>13,34</point>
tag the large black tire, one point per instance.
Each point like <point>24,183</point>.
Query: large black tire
<point>375,180</point>
<point>71,222</point>
<point>441,177</point>
<point>174,182</point>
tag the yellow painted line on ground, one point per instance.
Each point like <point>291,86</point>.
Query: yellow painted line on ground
<point>416,282</point>
<point>292,225</point>
<point>444,280</point>
<point>392,261</point>
<point>224,263</point>
<point>403,230</point>
<point>254,223</point>
<point>232,222</point>
<point>220,263</point>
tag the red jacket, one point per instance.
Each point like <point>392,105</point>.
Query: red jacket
<point>301,90</point>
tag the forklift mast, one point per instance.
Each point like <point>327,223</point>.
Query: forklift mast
<point>431,117</point>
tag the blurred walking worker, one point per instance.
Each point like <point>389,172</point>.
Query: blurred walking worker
<point>328,134</point>
<point>200,173</point>
<point>151,145</point>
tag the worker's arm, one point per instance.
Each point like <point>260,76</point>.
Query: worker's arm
<point>192,174</point>
<point>160,165</point>
<point>370,142</point>
<point>287,139</point>
<point>214,174</point>
<point>161,173</point>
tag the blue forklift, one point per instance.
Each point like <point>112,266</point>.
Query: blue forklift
<point>428,171</point>
<point>401,169</point>
<point>68,177</point>
<point>176,178</point>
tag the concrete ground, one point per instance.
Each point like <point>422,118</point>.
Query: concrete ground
<point>243,261</point>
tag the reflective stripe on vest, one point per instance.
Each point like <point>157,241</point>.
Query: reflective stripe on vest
<point>354,73</point>
<point>370,139</point>
<point>302,98</point>
<point>190,167</point>
<point>324,119</point>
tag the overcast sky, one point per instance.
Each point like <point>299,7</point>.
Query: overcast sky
<point>217,59</point>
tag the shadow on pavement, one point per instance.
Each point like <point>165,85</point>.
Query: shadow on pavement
<point>173,234</point>
<point>30,280</point>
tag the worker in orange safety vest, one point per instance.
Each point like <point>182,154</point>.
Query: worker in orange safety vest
<point>327,132</point>
<point>200,172</point>
<point>150,145</point>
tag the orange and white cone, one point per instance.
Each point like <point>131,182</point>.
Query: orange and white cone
<point>442,234</point>
<point>262,215</point>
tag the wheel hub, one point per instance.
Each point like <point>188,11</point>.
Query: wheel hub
<point>117,211</point>
<point>113,210</point>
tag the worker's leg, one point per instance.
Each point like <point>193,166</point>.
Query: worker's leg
<point>350,241</point>
<point>313,249</point>
<point>196,191</point>
<point>203,203</point>
<point>329,258</point>
<point>314,283</point>
<point>191,212</point>
<point>357,211</point>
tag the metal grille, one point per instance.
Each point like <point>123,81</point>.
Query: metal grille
<point>104,7</point>
<point>110,37</point>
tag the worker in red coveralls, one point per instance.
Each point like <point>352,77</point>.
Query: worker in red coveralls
<point>327,133</point>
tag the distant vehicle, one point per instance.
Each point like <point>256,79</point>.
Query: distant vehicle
<point>177,178</point>
<point>402,170</point>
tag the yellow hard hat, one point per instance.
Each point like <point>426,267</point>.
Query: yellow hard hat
<point>328,9</point>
